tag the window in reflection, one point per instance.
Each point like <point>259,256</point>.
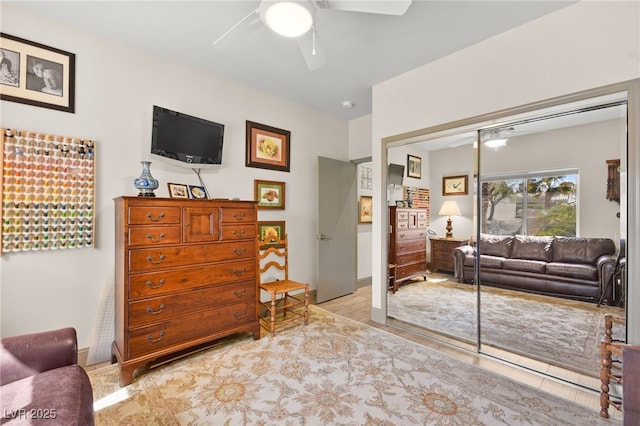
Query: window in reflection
<point>548,207</point>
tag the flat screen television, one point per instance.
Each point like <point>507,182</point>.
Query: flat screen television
<point>395,173</point>
<point>185,138</point>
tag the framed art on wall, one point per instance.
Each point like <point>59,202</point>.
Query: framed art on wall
<point>414,167</point>
<point>269,194</point>
<point>455,185</point>
<point>366,208</point>
<point>270,232</point>
<point>35,74</point>
<point>267,147</point>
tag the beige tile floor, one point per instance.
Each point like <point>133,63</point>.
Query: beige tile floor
<point>545,377</point>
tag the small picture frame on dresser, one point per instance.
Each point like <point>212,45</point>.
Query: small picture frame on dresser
<point>177,190</point>
<point>197,192</point>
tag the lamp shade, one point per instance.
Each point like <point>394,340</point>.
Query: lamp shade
<point>449,208</point>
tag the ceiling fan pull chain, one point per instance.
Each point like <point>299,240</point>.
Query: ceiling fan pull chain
<point>313,46</point>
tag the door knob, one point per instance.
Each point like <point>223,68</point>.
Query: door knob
<point>323,237</point>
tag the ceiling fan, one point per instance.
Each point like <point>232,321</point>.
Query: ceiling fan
<point>298,19</point>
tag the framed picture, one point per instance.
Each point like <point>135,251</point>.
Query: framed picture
<point>177,190</point>
<point>269,194</point>
<point>366,208</point>
<point>455,185</point>
<point>414,167</point>
<point>269,233</point>
<point>37,75</point>
<point>268,147</point>
<point>197,192</point>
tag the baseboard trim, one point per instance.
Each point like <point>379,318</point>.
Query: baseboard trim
<point>83,356</point>
<point>364,282</point>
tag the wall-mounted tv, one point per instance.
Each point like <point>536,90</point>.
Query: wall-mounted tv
<point>186,138</point>
<point>395,173</point>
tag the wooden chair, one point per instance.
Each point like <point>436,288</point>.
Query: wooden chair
<point>275,259</point>
<point>612,370</point>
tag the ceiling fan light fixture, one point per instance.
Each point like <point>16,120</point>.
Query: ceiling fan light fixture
<point>287,18</point>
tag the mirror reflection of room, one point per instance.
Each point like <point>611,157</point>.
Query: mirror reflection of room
<point>543,213</point>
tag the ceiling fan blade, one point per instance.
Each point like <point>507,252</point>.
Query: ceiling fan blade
<point>245,23</point>
<point>387,7</point>
<point>312,50</point>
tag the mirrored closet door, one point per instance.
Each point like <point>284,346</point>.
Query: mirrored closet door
<point>545,211</point>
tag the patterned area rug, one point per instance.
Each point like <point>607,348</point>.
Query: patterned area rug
<point>335,371</point>
<point>557,331</point>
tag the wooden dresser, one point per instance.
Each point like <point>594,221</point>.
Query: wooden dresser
<point>185,275</point>
<point>407,244</point>
<point>441,257</point>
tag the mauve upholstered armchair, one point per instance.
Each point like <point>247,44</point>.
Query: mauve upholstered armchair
<point>41,381</point>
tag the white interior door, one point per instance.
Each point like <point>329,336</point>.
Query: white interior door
<point>337,229</point>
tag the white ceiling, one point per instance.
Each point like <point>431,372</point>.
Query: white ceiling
<point>362,49</point>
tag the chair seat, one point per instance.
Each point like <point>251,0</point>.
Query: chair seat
<point>283,286</point>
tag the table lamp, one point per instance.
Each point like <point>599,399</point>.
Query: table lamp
<point>449,208</point>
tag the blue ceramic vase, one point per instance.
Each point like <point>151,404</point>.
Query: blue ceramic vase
<point>146,183</point>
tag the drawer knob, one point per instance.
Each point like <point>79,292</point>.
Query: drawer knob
<point>239,293</point>
<point>239,272</point>
<point>238,233</point>
<point>237,216</point>
<point>155,240</point>
<point>155,262</point>
<point>239,315</point>
<point>152,340</point>
<point>150,284</point>
<point>239,252</point>
<point>152,219</point>
<point>152,312</point>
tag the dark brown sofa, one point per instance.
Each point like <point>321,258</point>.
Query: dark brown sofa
<point>41,382</point>
<point>571,267</point>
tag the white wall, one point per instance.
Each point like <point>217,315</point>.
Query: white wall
<point>115,89</point>
<point>360,138</point>
<point>582,46</point>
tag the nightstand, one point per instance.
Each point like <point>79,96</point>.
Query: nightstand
<point>441,258</point>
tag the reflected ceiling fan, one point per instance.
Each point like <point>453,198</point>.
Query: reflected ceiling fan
<point>298,19</point>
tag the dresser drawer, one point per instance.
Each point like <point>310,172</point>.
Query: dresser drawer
<point>403,235</point>
<point>156,309</point>
<point>238,232</point>
<point>153,215</point>
<point>237,215</point>
<point>187,328</point>
<point>411,270</point>
<point>165,282</point>
<point>402,215</point>
<point>404,259</point>
<point>400,225</point>
<point>404,247</point>
<point>154,235</point>
<point>168,257</point>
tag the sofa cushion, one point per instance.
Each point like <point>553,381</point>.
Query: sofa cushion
<point>573,270</point>
<point>525,265</point>
<point>495,245</point>
<point>581,250</point>
<point>494,262</point>
<point>65,392</point>
<point>532,248</point>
